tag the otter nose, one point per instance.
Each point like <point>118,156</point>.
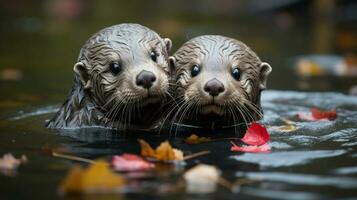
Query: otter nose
<point>145,79</point>
<point>214,87</point>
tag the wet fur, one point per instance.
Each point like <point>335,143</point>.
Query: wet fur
<point>99,98</point>
<point>217,55</point>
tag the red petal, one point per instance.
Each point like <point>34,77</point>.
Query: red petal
<point>318,114</point>
<point>130,162</point>
<point>256,135</point>
<point>265,148</point>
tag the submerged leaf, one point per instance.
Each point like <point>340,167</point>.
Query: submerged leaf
<point>164,152</point>
<point>98,177</point>
<point>130,162</point>
<point>194,139</point>
<point>256,135</point>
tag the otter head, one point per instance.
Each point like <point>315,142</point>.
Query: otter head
<point>218,79</point>
<point>124,69</point>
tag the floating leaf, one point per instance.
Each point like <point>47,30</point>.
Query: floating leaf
<point>164,152</point>
<point>9,162</point>
<point>130,162</point>
<point>256,135</point>
<point>289,126</point>
<point>285,128</point>
<point>318,115</point>
<point>194,139</point>
<point>265,148</point>
<point>201,179</point>
<point>98,177</point>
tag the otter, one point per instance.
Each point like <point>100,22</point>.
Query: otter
<point>217,82</point>
<point>121,80</point>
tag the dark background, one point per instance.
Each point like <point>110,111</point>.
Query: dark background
<point>40,39</point>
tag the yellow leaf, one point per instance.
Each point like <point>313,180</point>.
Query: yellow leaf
<point>194,139</point>
<point>98,177</point>
<point>164,152</point>
<point>289,126</point>
<point>73,180</point>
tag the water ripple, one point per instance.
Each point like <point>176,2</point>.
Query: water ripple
<point>289,158</point>
<point>302,179</point>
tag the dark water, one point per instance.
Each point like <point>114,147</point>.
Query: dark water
<point>317,161</point>
<point>39,43</point>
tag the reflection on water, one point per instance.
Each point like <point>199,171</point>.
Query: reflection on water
<point>290,158</point>
<point>315,161</point>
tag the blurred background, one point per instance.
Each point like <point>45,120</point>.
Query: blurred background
<point>311,45</point>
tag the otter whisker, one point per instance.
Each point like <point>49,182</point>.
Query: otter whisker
<point>234,118</point>
<point>254,108</point>
<point>170,109</point>
<point>182,106</point>
<point>238,106</point>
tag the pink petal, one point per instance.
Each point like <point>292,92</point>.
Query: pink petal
<point>130,162</point>
<point>265,148</point>
<point>309,117</point>
<point>256,135</point>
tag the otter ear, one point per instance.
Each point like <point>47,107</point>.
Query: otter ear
<point>264,69</point>
<point>168,44</point>
<point>81,71</point>
<point>172,68</point>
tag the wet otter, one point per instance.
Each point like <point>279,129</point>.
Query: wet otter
<point>121,80</point>
<point>218,82</point>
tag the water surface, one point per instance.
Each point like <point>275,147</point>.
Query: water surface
<point>317,161</point>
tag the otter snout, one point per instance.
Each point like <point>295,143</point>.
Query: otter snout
<point>214,87</point>
<point>145,79</point>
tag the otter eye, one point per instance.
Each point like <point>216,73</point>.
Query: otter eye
<point>153,56</point>
<point>195,70</point>
<point>115,68</point>
<point>236,73</point>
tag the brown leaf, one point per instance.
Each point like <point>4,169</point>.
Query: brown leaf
<point>164,152</point>
<point>146,149</point>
